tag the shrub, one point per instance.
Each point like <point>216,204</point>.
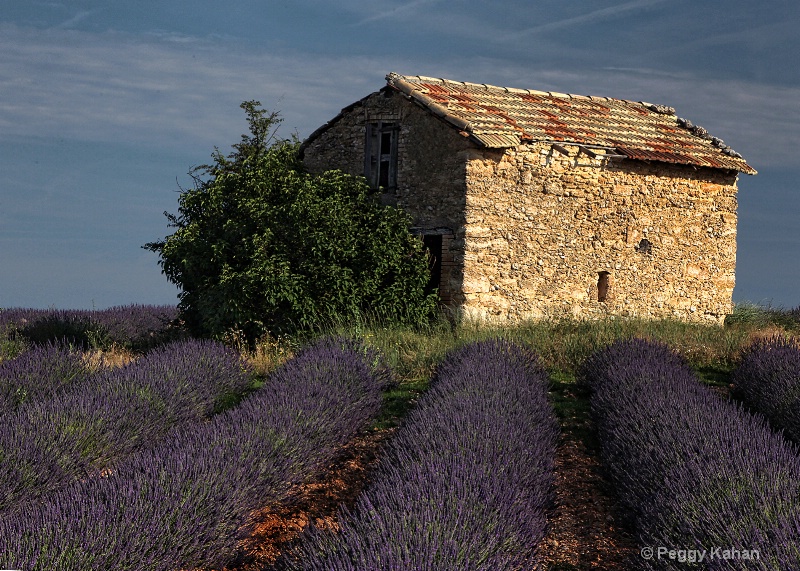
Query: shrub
<point>133,327</point>
<point>179,504</point>
<point>695,471</point>
<point>262,246</point>
<point>768,380</point>
<point>137,327</point>
<point>465,482</point>
<point>71,327</point>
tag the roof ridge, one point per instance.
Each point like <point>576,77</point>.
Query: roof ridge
<point>662,109</point>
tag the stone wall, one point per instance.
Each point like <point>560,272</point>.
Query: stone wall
<point>542,226</point>
<point>527,232</point>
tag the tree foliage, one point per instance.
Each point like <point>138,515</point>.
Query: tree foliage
<point>261,245</point>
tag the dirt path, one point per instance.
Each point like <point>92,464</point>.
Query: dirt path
<point>585,528</point>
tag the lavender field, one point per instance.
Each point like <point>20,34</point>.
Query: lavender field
<point>693,428</point>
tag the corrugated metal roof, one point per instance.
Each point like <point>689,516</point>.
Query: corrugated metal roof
<point>498,117</point>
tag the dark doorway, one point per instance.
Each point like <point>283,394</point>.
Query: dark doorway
<point>602,286</point>
<point>433,242</point>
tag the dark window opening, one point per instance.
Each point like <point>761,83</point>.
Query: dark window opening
<point>433,243</point>
<point>645,246</point>
<point>380,161</point>
<point>602,286</point>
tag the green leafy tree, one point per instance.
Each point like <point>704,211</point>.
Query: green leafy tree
<point>261,245</point>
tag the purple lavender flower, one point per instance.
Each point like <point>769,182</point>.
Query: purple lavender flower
<point>768,380</point>
<point>135,327</point>
<point>695,471</point>
<point>93,423</point>
<point>40,372</point>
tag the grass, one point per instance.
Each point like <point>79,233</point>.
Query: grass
<point>11,345</point>
<point>562,345</point>
<point>571,404</point>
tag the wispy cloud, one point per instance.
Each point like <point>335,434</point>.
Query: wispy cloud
<point>156,91</point>
<point>405,9</point>
<point>772,45</point>
<point>76,19</point>
<point>590,17</point>
<point>115,87</point>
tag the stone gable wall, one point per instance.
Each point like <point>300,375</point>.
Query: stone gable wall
<point>527,231</point>
<point>541,226</point>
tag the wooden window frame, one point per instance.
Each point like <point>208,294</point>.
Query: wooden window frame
<point>380,164</point>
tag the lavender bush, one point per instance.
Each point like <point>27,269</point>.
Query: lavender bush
<point>96,422</point>
<point>464,484</point>
<point>767,379</point>
<point>38,373</point>
<point>697,472</point>
<point>14,317</point>
<point>179,504</point>
<point>134,327</point>
<point>138,327</point>
<point>11,341</point>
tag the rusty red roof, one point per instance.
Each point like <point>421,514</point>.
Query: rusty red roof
<point>498,117</point>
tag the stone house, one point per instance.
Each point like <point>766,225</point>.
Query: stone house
<point>541,204</point>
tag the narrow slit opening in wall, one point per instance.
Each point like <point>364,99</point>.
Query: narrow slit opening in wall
<point>602,286</point>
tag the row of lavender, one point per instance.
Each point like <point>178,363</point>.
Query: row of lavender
<point>39,373</point>
<point>465,483</point>
<point>768,381</point>
<point>73,423</point>
<point>179,503</point>
<point>708,483</point>
<point>134,327</point>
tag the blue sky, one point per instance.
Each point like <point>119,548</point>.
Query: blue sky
<point>106,106</point>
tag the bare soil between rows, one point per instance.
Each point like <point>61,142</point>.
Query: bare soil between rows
<point>586,529</point>
<point>273,528</point>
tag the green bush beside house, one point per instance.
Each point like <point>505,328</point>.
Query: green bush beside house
<point>263,247</point>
